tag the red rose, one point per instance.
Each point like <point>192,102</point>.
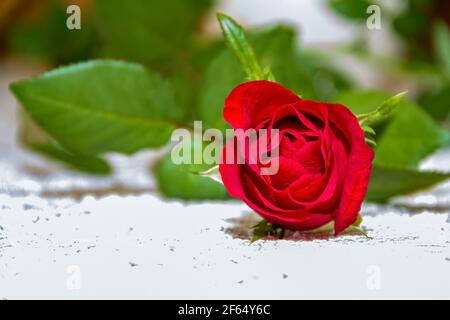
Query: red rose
<point>324,161</point>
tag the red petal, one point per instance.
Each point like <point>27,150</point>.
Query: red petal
<point>358,169</point>
<point>252,102</point>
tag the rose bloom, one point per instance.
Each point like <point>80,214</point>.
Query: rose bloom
<point>324,161</point>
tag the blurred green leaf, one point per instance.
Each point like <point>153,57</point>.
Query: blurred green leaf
<point>159,34</point>
<point>387,182</point>
<point>101,106</point>
<point>238,42</point>
<point>410,137</point>
<point>34,138</point>
<point>437,103</point>
<point>413,26</point>
<point>441,39</point>
<point>186,86</point>
<point>412,22</point>
<point>272,42</point>
<point>48,37</point>
<point>353,9</point>
<point>85,163</point>
<point>182,181</point>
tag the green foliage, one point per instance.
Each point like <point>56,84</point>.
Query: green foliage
<point>101,106</point>
<point>34,138</point>
<point>175,182</point>
<point>222,74</point>
<point>413,25</point>
<point>441,39</point>
<point>361,102</point>
<point>85,163</point>
<point>436,103</point>
<point>182,181</point>
<point>410,137</point>
<point>354,9</point>
<point>388,182</point>
<point>48,38</point>
<point>383,111</point>
<point>159,34</point>
<point>264,229</point>
<point>237,40</point>
<point>310,74</point>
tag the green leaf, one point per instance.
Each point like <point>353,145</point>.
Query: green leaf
<point>34,138</point>
<point>388,182</point>
<point>273,43</point>
<point>441,40</point>
<point>88,164</point>
<point>410,137</point>
<point>238,42</point>
<point>185,180</point>
<point>177,181</point>
<point>436,103</point>
<point>413,27</point>
<point>101,106</point>
<point>354,9</point>
<point>159,34</point>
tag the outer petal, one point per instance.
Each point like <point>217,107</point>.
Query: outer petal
<point>252,102</point>
<point>358,169</point>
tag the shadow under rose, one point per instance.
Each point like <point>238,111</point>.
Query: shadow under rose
<point>243,227</point>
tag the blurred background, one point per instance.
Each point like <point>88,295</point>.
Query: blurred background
<point>322,49</point>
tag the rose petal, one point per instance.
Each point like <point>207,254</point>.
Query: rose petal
<point>252,102</point>
<point>358,170</point>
